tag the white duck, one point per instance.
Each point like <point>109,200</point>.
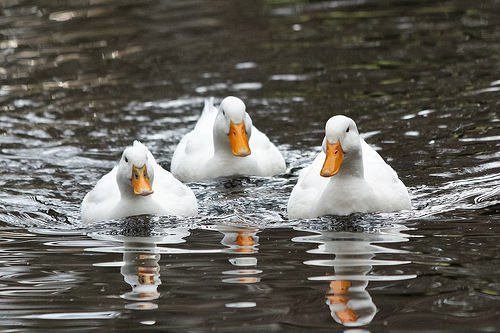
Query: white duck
<point>137,185</point>
<point>223,143</point>
<point>348,176</point>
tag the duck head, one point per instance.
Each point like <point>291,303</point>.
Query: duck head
<point>341,145</point>
<point>135,171</point>
<point>233,127</point>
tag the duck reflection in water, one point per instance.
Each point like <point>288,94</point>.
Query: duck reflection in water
<point>141,256</point>
<point>239,239</point>
<point>349,302</point>
<point>142,272</point>
<point>243,242</point>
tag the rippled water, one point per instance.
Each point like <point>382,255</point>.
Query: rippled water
<point>80,80</point>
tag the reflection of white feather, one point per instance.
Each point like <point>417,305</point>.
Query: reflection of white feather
<point>141,256</point>
<point>113,196</point>
<point>364,183</point>
<point>205,152</point>
<point>350,303</point>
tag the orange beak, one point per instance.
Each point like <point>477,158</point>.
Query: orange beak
<point>140,181</point>
<point>238,139</point>
<point>334,157</point>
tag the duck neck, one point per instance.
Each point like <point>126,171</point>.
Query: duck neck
<point>126,191</point>
<point>352,166</point>
<point>221,144</point>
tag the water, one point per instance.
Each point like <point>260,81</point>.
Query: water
<point>80,80</point>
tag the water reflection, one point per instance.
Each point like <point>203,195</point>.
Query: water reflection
<point>141,257</point>
<point>142,272</point>
<point>243,242</point>
<point>140,267</point>
<point>352,268</point>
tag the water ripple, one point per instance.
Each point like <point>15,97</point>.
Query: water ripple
<point>74,315</point>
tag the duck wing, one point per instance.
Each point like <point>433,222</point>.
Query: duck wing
<point>384,181</point>
<point>98,203</point>
<point>196,147</point>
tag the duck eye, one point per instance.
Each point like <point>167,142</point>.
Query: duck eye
<point>126,160</point>
<point>347,130</point>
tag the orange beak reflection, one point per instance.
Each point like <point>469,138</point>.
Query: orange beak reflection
<point>347,315</point>
<point>140,181</point>
<point>340,286</point>
<point>245,242</point>
<point>238,139</point>
<point>334,157</point>
<point>337,295</point>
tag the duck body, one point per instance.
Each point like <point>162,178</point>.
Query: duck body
<point>223,143</point>
<point>348,176</point>
<point>155,191</point>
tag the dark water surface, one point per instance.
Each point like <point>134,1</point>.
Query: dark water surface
<point>80,80</point>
